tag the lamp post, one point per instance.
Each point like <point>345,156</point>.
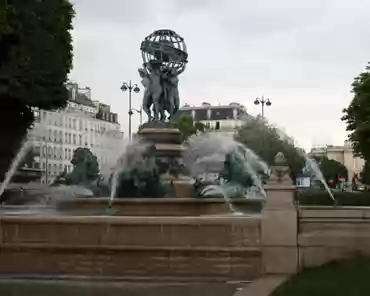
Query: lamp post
<point>130,87</point>
<point>46,158</point>
<point>263,102</point>
<point>141,114</point>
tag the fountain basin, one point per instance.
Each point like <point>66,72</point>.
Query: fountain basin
<point>107,246</point>
<point>167,207</point>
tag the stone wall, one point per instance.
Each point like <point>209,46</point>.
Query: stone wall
<point>295,237</point>
<point>131,246</point>
<point>331,233</point>
<point>159,207</point>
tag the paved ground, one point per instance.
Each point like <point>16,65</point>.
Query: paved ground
<point>68,288</point>
<point>263,286</point>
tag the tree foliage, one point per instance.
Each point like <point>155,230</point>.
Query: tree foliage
<point>365,173</point>
<point>35,59</point>
<point>187,126</point>
<point>266,141</point>
<point>357,115</point>
<point>331,170</point>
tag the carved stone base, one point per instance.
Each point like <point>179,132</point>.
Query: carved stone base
<point>182,187</point>
<point>167,140</point>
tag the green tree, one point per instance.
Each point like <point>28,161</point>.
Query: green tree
<point>266,141</point>
<point>357,115</point>
<point>365,173</point>
<point>36,57</point>
<point>331,169</point>
<point>187,126</point>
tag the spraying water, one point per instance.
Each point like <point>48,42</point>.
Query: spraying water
<point>311,165</point>
<point>205,155</point>
<point>113,187</point>
<point>314,168</point>
<point>130,158</point>
<point>26,146</point>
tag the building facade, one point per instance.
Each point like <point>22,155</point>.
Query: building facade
<point>344,155</point>
<point>83,123</point>
<point>224,118</point>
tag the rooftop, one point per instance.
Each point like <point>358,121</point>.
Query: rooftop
<point>83,100</point>
<point>207,111</point>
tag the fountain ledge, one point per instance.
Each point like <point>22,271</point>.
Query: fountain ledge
<point>167,207</point>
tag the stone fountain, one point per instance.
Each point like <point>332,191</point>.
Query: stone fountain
<point>172,236</point>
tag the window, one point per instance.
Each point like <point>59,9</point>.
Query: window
<point>36,150</point>
<point>217,125</point>
<point>49,133</point>
<point>65,153</point>
<point>74,139</point>
<point>55,136</point>
<point>60,136</point>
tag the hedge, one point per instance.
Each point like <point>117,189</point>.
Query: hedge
<point>322,198</point>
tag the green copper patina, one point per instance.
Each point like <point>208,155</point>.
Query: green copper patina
<point>138,177</point>
<point>85,173</point>
<point>164,59</point>
<point>85,168</point>
<point>142,179</point>
<point>235,180</point>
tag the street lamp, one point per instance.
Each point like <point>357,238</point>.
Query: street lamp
<point>263,102</point>
<point>141,114</point>
<point>128,86</point>
<point>46,157</point>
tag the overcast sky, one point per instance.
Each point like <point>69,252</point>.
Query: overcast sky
<point>301,54</point>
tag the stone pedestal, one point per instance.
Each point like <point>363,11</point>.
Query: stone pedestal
<point>279,224</point>
<point>167,140</point>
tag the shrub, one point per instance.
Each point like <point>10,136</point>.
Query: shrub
<point>322,198</point>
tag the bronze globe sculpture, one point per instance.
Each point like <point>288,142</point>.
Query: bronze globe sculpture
<point>165,57</point>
